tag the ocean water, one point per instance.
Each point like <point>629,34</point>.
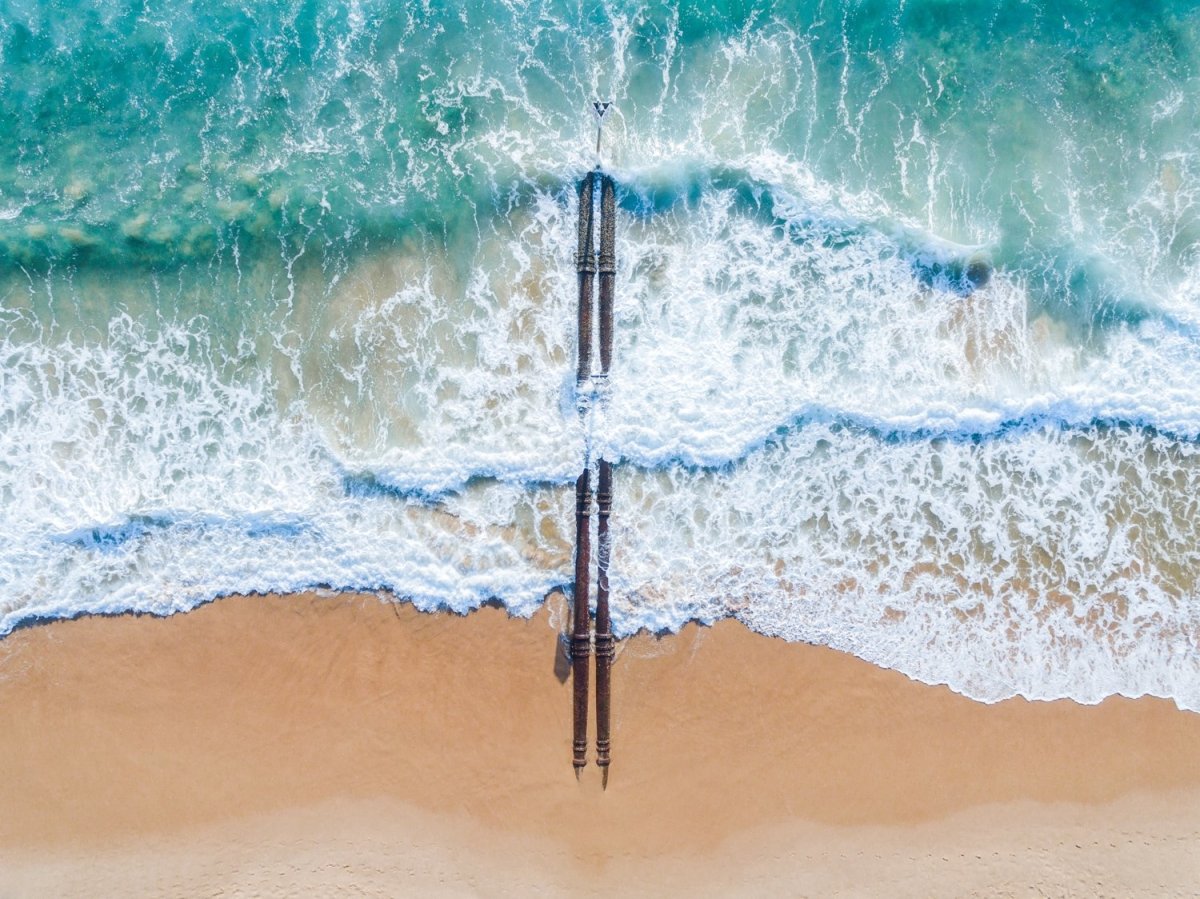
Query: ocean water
<point>287,299</point>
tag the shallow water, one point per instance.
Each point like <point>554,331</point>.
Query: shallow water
<point>288,300</point>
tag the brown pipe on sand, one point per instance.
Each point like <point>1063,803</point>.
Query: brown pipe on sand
<point>604,637</point>
<point>580,637</point>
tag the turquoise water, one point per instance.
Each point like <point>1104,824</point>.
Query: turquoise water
<point>287,300</point>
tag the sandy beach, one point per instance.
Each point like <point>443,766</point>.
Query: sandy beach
<point>326,745</point>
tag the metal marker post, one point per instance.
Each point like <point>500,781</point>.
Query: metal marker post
<point>601,109</point>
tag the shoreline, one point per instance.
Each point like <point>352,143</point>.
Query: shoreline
<point>259,733</point>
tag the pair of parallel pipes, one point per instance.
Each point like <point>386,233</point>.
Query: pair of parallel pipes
<point>586,266</point>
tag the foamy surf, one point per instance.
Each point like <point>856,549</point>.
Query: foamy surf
<point>906,354</point>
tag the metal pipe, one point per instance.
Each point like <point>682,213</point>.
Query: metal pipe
<point>608,268</point>
<point>604,638</point>
<point>580,637</point>
<point>585,265</point>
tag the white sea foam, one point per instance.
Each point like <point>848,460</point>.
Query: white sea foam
<point>956,514</point>
<point>916,472</point>
<point>828,431</point>
<point>136,478</point>
<point>1050,563</point>
<point>735,323</point>
<point>426,371</point>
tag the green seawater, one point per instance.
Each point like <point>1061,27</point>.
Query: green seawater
<point>161,135</point>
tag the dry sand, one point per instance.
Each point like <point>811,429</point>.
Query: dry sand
<point>273,746</point>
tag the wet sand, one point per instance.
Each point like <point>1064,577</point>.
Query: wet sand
<point>339,745</point>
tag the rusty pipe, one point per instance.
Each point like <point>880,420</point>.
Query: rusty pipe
<point>585,266</point>
<point>608,268</point>
<point>580,637</point>
<point>604,637</point>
